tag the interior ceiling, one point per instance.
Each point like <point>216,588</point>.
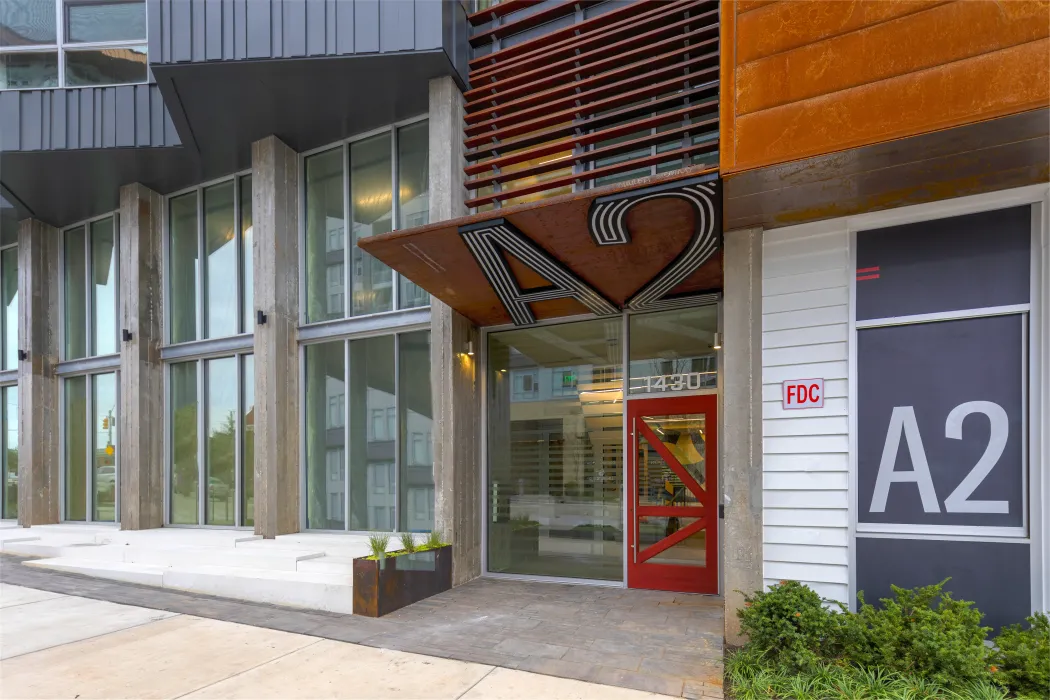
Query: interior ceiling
<point>436,258</point>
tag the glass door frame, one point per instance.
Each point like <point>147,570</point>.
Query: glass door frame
<point>674,577</point>
<point>89,409</point>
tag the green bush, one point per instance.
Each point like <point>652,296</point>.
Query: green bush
<point>1021,660</point>
<point>789,624</point>
<point>922,632</point>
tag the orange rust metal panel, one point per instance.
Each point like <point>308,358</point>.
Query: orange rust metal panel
<point>727,81</point>
<point>749,5</point>
<point>789,25</point>
<point>991,85</point>
<point>904,45</point>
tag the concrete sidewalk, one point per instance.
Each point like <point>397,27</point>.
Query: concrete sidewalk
<point>60,646</point>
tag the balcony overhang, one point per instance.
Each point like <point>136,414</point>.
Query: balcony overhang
<point>649,243</point>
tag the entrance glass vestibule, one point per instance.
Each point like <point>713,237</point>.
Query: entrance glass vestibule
<point>562,472</point>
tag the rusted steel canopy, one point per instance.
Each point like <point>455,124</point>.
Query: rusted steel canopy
<point>669,232</point>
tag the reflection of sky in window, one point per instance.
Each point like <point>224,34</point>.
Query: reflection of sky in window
<point>222,290</point>
<point>222,393</point>
<point>111,22</point>
<point>105,407</point>
<point>11,414</point>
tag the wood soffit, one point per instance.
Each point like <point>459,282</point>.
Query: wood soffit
<point>436,257</point>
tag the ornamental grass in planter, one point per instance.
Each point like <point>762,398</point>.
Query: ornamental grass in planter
<point>387,581</point>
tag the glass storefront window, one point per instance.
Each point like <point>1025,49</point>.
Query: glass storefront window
<point>183,250</point>
<point>325,239</point>
<point>210,297</point>
<point>371,207</point>
<point>372,444</point>
<point>413,186</point>
<point>248,440</point>
<point>9,307</point>
<point>90,309</point>
<point>220,250</point>
<point>182,414</point>
<point>212,418</point>
<point>555,451</point>
<point>104,448</point>
<point>75,446</point>
<point>75,297</point>
<point>397,155</point>
<point>369,463</point>
<point>416,417</point>
<point>9,451</point>
<point>103,287</point>
<point>674,351</point>
<point>325,411</point>
<point>248,296</point>
<point>220,447</point>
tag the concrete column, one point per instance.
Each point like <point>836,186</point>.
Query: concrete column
<point>38,411</point>
<point>742,422</point>
<point>457,424</point>
<point>141,404</point>
<point>275,255</point>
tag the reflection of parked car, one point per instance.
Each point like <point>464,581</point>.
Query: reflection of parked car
<point>106,479</point>
<point>217,488</point>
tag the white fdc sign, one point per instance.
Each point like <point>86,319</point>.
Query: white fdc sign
<point>803,393</point>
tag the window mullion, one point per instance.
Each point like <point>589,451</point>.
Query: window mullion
<point>60,38</point>
<point>89,462</point>
<point>89,333</point>
<point>242,322</point>
<point>202,422</point>
<point>238,447</point>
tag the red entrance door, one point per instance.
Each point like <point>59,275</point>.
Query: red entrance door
<point>672,507</point>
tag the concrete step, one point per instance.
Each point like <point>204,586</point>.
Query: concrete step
<point>174,557</point>
<point>177,537</point>
<point>315,591</point>
<point>54,547</point>
<point>116,570</point>
<point>328,565</point>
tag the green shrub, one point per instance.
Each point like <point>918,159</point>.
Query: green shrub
<point>408,542</point>
<point>789,624</point>
<point>1021,660</point>
<point>921,631</point>
<point>434,540</point>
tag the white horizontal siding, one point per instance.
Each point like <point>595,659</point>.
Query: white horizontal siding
<point>805,335</point>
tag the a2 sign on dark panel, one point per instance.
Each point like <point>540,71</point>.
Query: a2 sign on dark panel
<point>941,399</point>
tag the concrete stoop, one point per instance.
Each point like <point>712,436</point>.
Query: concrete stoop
<point>313,571</point>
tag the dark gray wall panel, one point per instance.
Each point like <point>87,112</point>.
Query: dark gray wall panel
<point>995,575</point>
<point>79,118</point>
<point>194,31</point>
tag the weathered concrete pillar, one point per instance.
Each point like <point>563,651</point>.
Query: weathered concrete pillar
<point>454,375</point>
<point>275,255</point>
<point>141,372</point>
<point>742,422</point>
<point>38,411</point>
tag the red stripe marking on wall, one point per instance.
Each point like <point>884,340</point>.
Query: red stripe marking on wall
<point>861,278</point>
<point>868,269</point>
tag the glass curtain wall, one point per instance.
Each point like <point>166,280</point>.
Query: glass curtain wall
<point>555,450</point>
<point>90,447</point>
<point>9,452</point>
<point>211,446</point>
<point>9,300</point>
<point>368,421</point>
<point>9,361</point>
<point>212,449</point>
<point>359,179</point>
<point>210,261</point>
<point>89,405</point>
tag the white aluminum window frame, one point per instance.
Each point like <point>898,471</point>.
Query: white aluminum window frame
<point>89,289</point>
<point>61,47</point>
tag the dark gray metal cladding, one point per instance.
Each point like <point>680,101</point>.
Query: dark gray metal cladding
<point>224,74</point>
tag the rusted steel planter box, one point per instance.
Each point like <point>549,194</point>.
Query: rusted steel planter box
<point>401,581</point>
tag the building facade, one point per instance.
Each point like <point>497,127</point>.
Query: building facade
<point>647,294</point>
